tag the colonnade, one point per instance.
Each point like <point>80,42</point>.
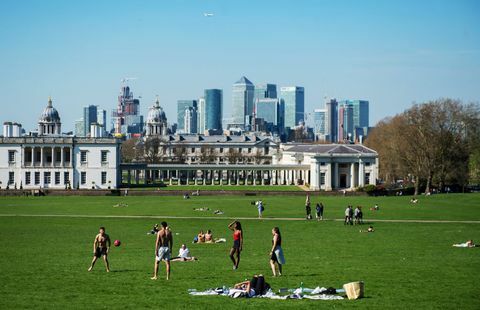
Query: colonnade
<point>49,156</point>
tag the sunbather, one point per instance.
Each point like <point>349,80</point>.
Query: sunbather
<point>208,236</point>
<point>256,286</point>
<point>201,237</point>
<point>468,244</point>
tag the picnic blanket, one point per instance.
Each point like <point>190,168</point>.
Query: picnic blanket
<point>299,293</point>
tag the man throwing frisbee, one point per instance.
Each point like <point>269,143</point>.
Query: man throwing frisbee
<point>163,249</point>
<point>101,245</point>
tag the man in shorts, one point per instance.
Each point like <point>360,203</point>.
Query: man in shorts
<point>163,249</point>
<point>101,245</point>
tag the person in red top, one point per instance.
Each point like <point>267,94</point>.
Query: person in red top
<point>236,227</point>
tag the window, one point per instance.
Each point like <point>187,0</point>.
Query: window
<point>104,156</point>
<point>57,178</point>
<point>47,178</point>
<point>83,156</point>
<point>249,150</point>
<point>27,177</point>
<point>322,178</point>
<point>37,178</point>
<point>11,156</point>
<point>220,150</point>
<point>367,163</point>
<point>66,177</point>
<point>11,177</point>
<point>322,163</point>
<point>104,177</point>
<point>367,178</point>
<point>193,150</point>
<point>265,151</point>
<point>83,178</point>
<point>239,149</point>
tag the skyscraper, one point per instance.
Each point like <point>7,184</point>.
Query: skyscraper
<point>213,109</point>
<point>201,116</point>
<point>182,106</point>
<point>242,101</point>
<point>89,117</point>
<point>126,117</point>
<point>263,91</point>
<point>190,120</point>
<point>358,111</point>
<point>102,120</point>
<point>293,97</point>
<point>332,120</point>
<point>345,123</point>
<point>271,110</point>
<point>320,124</point>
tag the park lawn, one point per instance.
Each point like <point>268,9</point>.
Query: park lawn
<point>404,265</point>
<point>436,207</point>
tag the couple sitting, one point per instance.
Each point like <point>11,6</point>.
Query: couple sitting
<point>207,238</point>
<point>203,237</point>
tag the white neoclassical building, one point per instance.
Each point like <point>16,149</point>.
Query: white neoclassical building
<point>156,121</point>
<point>332,166</point>
<point>53,160</point>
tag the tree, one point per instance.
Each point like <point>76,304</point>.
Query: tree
<point>152,149</point>
<point>128,150</point>
<point>431,142</point>
<point>233,156</point>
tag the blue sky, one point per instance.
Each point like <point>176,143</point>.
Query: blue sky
<point>391,53</point>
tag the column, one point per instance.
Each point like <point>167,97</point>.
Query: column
<point>352,175</point>
<point>41,156</point>
<point>169,174</point>
<point>62,154</point>
<point>188,179</point>
<point>336,177</point>
<point>53,156</point>
<point>361,173</point>
<point>262,175</point>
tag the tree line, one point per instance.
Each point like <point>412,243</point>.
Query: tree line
<point>433,144</point>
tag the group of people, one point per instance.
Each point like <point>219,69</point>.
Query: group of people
<point>353,216</point>
<point>318,210</point>
<point>202,237</point>
<point>164,245</point>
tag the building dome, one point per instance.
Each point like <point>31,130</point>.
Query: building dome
<point>156,114</point>
<point>50,114</point>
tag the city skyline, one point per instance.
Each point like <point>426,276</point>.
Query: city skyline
<point>401,52</point>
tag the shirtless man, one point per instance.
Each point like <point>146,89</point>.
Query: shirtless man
<point>163,248</point>
<point>101,245</point>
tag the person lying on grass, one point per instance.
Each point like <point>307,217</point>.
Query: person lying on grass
<point>184,255</point>
<point>468,244</point>
<point>369,230</point>
<point>256,286</point>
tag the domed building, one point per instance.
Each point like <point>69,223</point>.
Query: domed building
<point>49,122</point>
<point>156,121</point>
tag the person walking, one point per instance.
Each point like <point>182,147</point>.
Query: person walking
<point>237,247</point>
<point>319,209</point>
<point>308,209</point>
<point>276,254</point>
<point>260,208</point>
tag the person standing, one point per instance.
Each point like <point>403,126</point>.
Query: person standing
<point>308,209</point>
<point>319,209</point>
<point>237,247</point>
<point>276,254</point>
<point>348,215</point>
<point>357,215</point>
<point>260,208</point>
<point>163,249</point>
<point>101,246</point>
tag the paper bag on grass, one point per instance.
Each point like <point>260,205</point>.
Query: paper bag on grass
<point>354,290</point>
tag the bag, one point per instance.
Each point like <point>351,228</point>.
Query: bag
<point>354,290</point>
<point>262,208</point>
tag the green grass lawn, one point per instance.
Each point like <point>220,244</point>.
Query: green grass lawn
<point>404,265</point>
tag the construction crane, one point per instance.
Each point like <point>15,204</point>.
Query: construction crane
<point>124,80</point>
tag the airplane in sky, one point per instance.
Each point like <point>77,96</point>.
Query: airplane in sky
<point>208,14</point>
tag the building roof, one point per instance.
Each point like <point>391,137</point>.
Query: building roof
<point>244,80</point>
<point>331,149</point>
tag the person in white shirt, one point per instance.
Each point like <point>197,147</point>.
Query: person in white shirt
<point>468,244</point>
<point>184,255</point>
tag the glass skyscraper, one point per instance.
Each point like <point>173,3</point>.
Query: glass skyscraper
<point>201,116</point>
<point>332,120</point>
<point>89,117</point>
<point>271,110</point>
<point>213,109</point>
<point>293,97</point>
<point>359,123</point>
<point>182,105</point>
<point>263,91</point>
<point>320,123</point>
<point>242,101</point>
